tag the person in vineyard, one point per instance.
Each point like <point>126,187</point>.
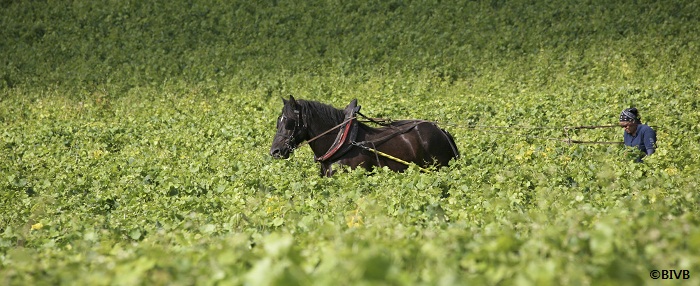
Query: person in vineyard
<point>637,134</point>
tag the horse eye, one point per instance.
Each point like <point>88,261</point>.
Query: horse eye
<point>290,124</point>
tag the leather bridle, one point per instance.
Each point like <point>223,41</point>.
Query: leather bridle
<point>296,126</point>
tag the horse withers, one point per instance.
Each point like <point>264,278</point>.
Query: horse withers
<point>336,136</point>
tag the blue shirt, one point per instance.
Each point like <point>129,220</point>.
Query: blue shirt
<point>644,139</point>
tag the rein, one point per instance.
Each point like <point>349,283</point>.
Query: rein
<point>566,129</point>
<point>327,131</point>
<point>387,123</point>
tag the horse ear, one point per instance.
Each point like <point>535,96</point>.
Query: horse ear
<point>293,102</point>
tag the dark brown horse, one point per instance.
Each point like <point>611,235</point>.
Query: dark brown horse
<point>335,136</point>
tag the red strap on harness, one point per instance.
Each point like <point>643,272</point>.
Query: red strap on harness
<point>337,144</point>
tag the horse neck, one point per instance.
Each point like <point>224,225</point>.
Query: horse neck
<point>316,126</point>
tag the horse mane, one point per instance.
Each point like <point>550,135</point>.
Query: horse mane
<point>320,112</point>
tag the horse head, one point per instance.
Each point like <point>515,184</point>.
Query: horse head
<point>291,130</point>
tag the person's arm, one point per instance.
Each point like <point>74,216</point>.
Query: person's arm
<point>650,141</point>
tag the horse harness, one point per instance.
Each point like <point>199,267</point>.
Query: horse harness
<point>294,125</point>
<point>345,140</point>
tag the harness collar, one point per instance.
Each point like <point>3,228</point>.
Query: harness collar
<point>346,135</point>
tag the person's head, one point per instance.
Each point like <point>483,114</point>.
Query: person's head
<point>629,119</point>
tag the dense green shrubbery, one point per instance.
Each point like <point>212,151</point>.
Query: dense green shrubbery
<point>135,139</point>
<point>131,43</point>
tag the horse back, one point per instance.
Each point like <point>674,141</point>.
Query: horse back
<point>418,141</point>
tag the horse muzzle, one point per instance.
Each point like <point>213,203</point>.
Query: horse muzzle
<point>279,153</point>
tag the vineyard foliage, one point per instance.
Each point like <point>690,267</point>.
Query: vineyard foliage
<point>135,139</point>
